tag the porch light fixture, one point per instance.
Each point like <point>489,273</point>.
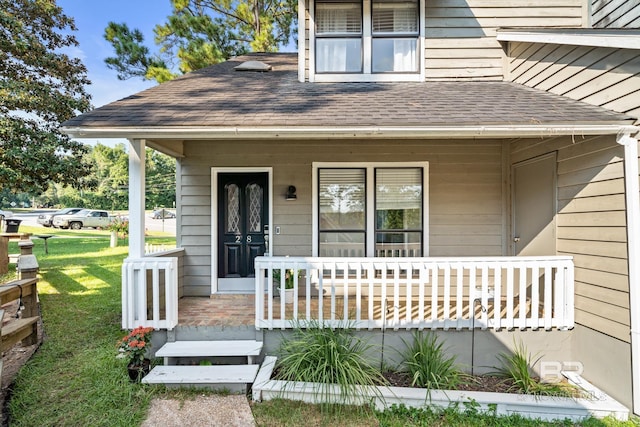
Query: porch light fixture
<point>291,193</point>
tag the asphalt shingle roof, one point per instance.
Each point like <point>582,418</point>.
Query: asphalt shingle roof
<point>220,96</point>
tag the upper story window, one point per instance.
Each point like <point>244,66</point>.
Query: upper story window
<point>367,37</point>
<point>394,36</point>
<point>339,32</point>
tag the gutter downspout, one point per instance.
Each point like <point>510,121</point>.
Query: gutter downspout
<point>632,194</point>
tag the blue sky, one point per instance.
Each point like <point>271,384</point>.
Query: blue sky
<point>91,18</point>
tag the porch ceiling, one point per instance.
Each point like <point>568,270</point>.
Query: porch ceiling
<point>218,101</point>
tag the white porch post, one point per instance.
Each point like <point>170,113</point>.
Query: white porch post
<point>632,194</point>
<point>136,197</point>
<point>301,40</point>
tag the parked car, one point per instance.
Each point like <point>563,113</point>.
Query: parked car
<point>84,218</point>
<point>46,219</point>
<point>162,214</point>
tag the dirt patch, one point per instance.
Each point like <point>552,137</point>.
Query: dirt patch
<point>470,383</point>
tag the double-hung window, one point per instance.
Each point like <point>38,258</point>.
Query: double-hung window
<point>394,36</point>
<point>339,37</point>
<point>371,210</point>
<point>367,37</point>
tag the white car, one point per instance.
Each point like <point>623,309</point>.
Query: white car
<point>46,219</point>
<point>85,218</point>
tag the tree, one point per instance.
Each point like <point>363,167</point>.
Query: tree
<point>201,33</point>
<point>40,87</point>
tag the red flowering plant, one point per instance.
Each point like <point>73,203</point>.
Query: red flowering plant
<point>135,344</point>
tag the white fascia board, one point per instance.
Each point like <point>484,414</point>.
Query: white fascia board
<point>348,132</point>
<point>596,38</point>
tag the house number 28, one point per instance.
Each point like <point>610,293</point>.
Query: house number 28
<point>239,238</point>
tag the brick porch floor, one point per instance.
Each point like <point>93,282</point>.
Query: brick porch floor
<point>239,310</point>
<point>218,310</point>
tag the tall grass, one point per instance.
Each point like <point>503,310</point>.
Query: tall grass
<point>517,366</point>
<point>428,364</point>
<point>330,358</point>
<point>74,378</point>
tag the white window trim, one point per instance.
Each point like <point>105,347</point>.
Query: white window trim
<point>370,207</point>
<point>214,213</point>
<point>366,75</point>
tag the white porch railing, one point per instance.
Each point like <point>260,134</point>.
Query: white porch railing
<point>150,292</point>
<point>150,248</point>
<point>419,293</point>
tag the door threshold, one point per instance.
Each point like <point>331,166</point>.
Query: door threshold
<point>241,292</point>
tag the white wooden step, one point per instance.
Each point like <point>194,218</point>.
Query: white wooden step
<point>231,377</point>
<point>249,348</point>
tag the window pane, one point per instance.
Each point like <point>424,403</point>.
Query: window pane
<point>338,55</point>
<point>399,199</point>
<point>395,16</point>
<point>394,245</point>
<point>338,18</point>
<point>342,199</point>
<point>233,208</point>
<point>342,244</point>
<point>254,201</point>
<point>394,55</point>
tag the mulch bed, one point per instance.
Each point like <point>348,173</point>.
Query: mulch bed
<point>488,383</point>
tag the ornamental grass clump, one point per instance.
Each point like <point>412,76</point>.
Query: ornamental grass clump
<point>134,345</point>
<point>427,363</point>
<point>515,367</point>
<point>333,359</point>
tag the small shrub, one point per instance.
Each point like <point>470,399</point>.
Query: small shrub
<point>428,364</point>
<point>327,356</point>
<point>517,368</point>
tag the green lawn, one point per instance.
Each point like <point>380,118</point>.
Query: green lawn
<point>75,379</point>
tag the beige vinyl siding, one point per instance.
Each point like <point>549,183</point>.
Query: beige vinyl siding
<point>591,227</point>
<point>461,34</point>
<point>615,14</point>
<point>465,193</point>
<point>605,77</point>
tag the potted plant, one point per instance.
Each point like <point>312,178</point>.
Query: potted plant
<point>287,290</point>
<point>133,347</point>
<point>118,226</point>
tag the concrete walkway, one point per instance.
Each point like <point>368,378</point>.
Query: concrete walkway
<point>205,411</point>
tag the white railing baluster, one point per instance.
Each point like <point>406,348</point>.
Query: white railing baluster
<point>396,296</point>
<point>497,297</point>
<point>510,296</point>
<point>370,279</point>
<point>408,298</point>
<point>345,293</point>
<point>547,307</point>
<point>358,268</point>
<point>522,297</point>
<point>471,297</point>
<point>484,296</point>
<point>535,297</point>
<point>459,296</point>
<point>424,279</point>
<point>446,306</point>
<point>434,296</point>
<point>569,299</point>
<point>559,289</point>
